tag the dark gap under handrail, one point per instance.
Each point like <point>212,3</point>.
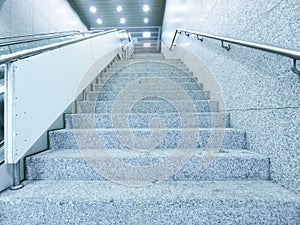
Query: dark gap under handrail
<point>295,55</point>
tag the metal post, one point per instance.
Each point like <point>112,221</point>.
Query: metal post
<point>16,177</point>
<point>174,38</point>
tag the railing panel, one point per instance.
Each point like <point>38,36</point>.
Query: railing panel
<point>41,87</point>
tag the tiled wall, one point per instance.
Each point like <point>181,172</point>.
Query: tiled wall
<point>258,88</point>
<point>21,17</point>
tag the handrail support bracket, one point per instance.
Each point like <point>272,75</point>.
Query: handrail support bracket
<point>227,47</point>
<point>294,67</point>
<point>200,38</point>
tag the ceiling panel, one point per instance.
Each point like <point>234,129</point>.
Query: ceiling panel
<point>132,12</point>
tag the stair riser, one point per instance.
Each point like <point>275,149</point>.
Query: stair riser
<point>143,63</point>
<point>110,96</point>
<point>80,169</point>
<point>143,70</point>
<point>151,65</point>
<point>143,120</point>
<point>164,61</point>
<point>117,87</point>
<point>145,107</point>
<point>151,212</point>
<point>172,66</point>
<point>145,74</point>
<point>148,67</point>
<point>95,139</point>
<point>125,80</point>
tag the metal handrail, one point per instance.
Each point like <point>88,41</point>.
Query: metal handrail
<point>36,39</point>
<point>40,34</point>
<point>295,55</point>
<point>1,145</point>
<point>27,53</point>
<point>125,30</point>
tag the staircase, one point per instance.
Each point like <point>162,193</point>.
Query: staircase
<point>146,145</point>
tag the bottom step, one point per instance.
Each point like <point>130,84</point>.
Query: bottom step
<point>99,202</point>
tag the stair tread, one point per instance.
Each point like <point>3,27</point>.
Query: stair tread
<point>168,202</point>
<point>166,191</point>
<point>150,91</point>
<point>70,164</point>
<point>148,129</point>
<point>164,113</point>
<point>76,153</point>
<point>147,100</point>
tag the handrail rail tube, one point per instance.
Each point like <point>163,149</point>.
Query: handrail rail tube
<point>46,37</point>
<point>129,39</point>
<point>36,39</point>
<point>40,34</point>
<point>23,54</point>
<point>295,55</point>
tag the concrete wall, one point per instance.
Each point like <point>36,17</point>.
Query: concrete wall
<point>258,88</point>
<point>21,17</point>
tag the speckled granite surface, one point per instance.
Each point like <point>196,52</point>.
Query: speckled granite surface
<point>98,202</point>
<point>123,80</point>
<point>71,165</point>
<point>146,106</point>
<point>176,95</point>
<point>107,171</point>
<point>169,137</point>
<point>138,120</point>
<point>258,88</point>
<point>117,88</point>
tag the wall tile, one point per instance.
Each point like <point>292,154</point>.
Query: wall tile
<point>19,17</point>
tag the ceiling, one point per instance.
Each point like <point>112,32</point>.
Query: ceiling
<point>132,12</point>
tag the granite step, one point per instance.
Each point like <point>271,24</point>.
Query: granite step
<point>168,61</point>
<point>148,55</point>
<point>143,120</point>
<point>167,74</point>
<point>152,95</point>
<point>82,165</point>
<point>141,70</point>
<point>147,106</point>
<point>154,86</point>
<point>150,61</point>
<point>140,62</point>
<point>164,67</point>
<point>144,79</point>
<point>151,65</point>
<point>169,202</point>
<point>144,138</point>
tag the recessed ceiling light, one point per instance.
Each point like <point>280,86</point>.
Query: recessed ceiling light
<point>93,9</point>
<point>122,20</point>
<point>99,21</point>
<point>119,8</point>
<point>146,20</point>
<point>146,8</point>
